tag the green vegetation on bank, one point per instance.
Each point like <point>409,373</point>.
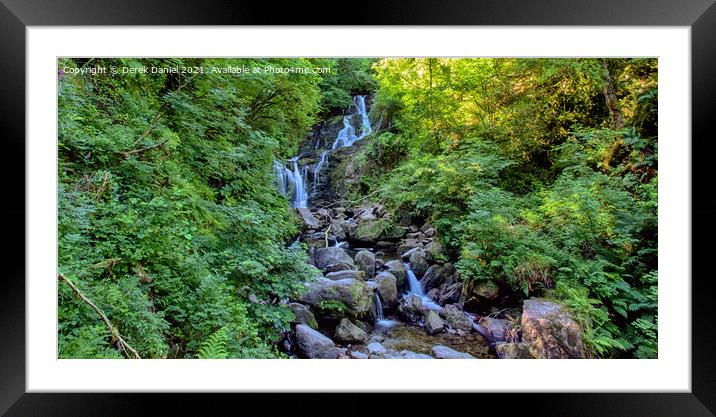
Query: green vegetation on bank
<point>540,175</point>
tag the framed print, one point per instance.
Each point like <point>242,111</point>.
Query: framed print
<point>226,208</point>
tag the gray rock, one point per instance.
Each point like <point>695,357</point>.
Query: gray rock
<point>444,352</point>
<point>435,275</point>
<point>387,289</point>
<point>433,323</point>
<point>341,266</point>
<point>434,294</point>
<point>346,274</point>
<point>418,264</point>
<point>303,315</point>
<point>308,219</point>
<point>408,244</point>
<point>358,355</point>
<point>365,261</point>
<point>312,344</point>
<point>348,332</point>
<point>513,351</point>
<point>325,257</point>
<point>487,289</point>
<point>450,294</point>
<point>406,354</point>
<point>411,309</point>
<point>398,270</point>
<point>355,295</point>
<point>551,331</point>
<point>456,318</point>
<point>497,328</point>
<point>375,349</point>
<point>433,251</point>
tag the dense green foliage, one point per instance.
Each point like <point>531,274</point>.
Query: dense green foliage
<point>169,218</point>
<point>531,179</point>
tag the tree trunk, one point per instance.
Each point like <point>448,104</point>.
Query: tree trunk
<point>611,98</point>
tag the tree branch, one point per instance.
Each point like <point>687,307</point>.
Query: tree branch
<point>115,333</point>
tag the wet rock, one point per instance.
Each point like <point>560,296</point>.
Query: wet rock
<point>370,230</point>
<point>444,352</point>
<point>327,257</point>
<point>364,326</point>
<point>434,294</point>
<point>358,355</point>
<point>456,318</point>
<point>348,332</point>
<point>450,294</point>
<point>408,244</point>
<point>550,330</point>
<point>418,264</point>
<point>387,289</point>
<point>375,349</point>
<point>365,261</point>
<point>379,264</point>
<point>303,315</point>
<point>398,270</point>
<point>513,351</point>
<point>355,295</point>
<point>497,328</point>
<point>406,255</point>
<point>308,219</point>
<point>436,275</point>
<point>313,345</point>
<point>410,309</point>
<point>433,323</point>
<point>346,274</point>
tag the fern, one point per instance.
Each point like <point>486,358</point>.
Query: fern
<point>215,347</point>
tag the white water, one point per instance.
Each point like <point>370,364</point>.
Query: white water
<point>415,288</point>
<point>347,136</point>
<point>295,179</point>
<point>292,182</point>
<point>378,308</point>
<point>317,169</point>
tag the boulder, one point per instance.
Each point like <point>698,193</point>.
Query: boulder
<point>348,332</point>
<point>340,229</point>
<point>411,309</point>
<point>444,352</point>
<point>358,355</point>
<point>434,294</point>
<point>497,328</point>
<point>313,345</point>
<point>450,295</point>
<point>308,219</point>
<point>369,230</point>
<point>486,289</point>
<point>303,315</point>
<point>408,244</point>
<point>355,295</point>
<point>436,275</point>
<point>365,261</point>
<point>375,350</point>
<point>456,318</point>
<point>387,289</point>
<point>418,264</point>
<point>341,266</point>
<point>326,257</point>
<point>433,251</point>
<point>346,274</point>
<point>550,330</point>
<point>398,270</point>
<point>513,351</point>
<point>433,323</point>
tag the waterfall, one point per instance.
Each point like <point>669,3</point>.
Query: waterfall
<point>378,308</point>
<point>296,179</point>
<point>347,136</point>
<point>317,169</point>
<point>414,286</point>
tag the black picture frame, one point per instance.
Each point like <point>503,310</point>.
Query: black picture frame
<point>16,15</point>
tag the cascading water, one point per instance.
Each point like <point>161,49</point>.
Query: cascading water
<point>415,288</point>
<point>292,182</point>
<point>378,308</point>
<point>297,181</point>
